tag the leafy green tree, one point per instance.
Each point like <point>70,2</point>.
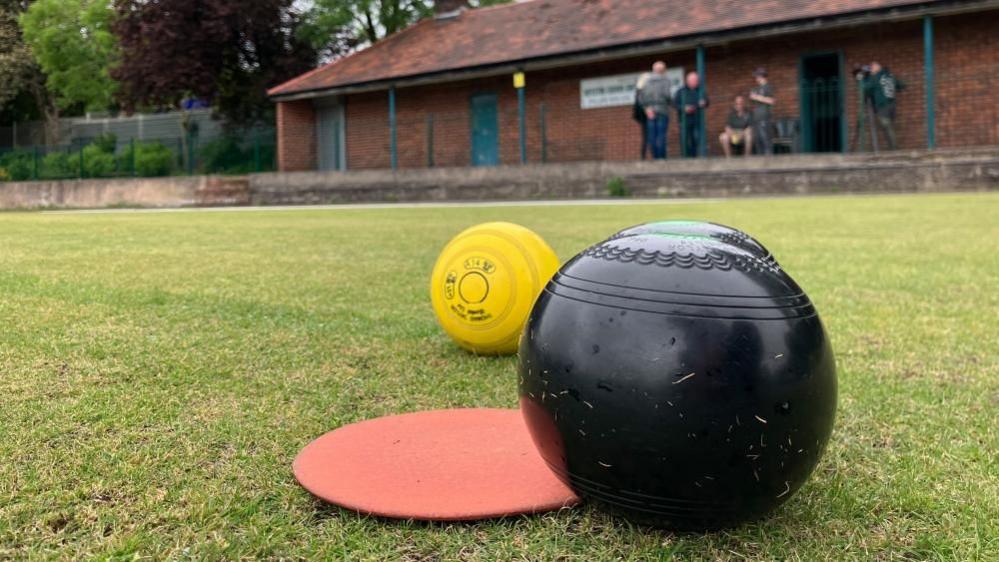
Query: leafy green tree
<point>73,44</point>
<point>361,21</point>
<point>336,27</point>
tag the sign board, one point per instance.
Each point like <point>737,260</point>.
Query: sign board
<point>617,90</point>
<point>518,80</point>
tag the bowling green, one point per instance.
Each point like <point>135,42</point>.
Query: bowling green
<point>159,372</point>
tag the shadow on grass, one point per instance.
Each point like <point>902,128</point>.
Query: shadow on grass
<point>788,519</point>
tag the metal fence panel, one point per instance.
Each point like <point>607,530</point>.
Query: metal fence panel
<point>77,130</point>
<point>163,156</point>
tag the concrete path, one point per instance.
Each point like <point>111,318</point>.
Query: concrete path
<point>443,205</point>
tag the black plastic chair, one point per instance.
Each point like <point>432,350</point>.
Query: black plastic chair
<point>787,135</point>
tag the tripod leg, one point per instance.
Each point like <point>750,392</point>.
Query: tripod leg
<point>874,133</point>
<point>858,133</point>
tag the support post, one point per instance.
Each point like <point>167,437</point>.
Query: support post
<point>702,124</point>
<point>430,140</point>
<point>257,163</point>
<point>521,109</point>
<point>542,118</point>
<point>931,132</point>
<point>190,153</point>
<point>519,83</point>
<point>393,147</point>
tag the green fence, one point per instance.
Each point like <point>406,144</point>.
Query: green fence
<point>105,157</point>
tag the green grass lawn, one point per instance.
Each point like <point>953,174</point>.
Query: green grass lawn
<point>159,372</point>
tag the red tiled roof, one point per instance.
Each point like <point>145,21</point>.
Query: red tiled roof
<point>539,28</point>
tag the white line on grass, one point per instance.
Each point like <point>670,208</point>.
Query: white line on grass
<point>419,205</point>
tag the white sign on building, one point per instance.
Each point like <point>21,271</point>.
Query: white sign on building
<point>612,91</point>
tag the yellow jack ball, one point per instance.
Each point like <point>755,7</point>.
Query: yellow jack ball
<point>485,283</point>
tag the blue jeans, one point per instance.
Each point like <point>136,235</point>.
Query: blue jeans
<point>656,132</point>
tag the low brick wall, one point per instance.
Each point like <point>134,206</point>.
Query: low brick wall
<point>965,170</point>
<point>200,191</point>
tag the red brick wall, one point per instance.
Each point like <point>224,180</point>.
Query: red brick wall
<point>296,135</point>
<point>367,130</point>
<point>967,79</point>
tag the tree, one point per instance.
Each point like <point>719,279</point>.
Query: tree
<point>362,21</point>
<point>19,72</point>
<point>336,27</point>
<point>72,43</point>
<point>227,52</point>
<point>15,56</point>
<point>329,31</point>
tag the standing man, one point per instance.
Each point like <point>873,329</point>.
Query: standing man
<point>655,99</point>
<point>690,102</point>
<point>762,98</point>
<point>882,87</point>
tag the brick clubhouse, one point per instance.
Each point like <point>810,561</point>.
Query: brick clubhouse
<point>443,91</point>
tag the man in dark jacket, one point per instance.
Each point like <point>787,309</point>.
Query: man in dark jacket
<point>882,86</point>
<point>690,102</point>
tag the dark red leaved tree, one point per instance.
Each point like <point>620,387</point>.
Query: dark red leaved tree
<point>225,51</point>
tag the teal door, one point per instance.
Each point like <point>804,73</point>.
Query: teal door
<point>330,137</point>
<point>485,130</point>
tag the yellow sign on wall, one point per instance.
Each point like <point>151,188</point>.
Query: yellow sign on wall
<point>518,80</point>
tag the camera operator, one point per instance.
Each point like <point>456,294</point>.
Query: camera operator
<point>865,111</point>
<point>882,87</point>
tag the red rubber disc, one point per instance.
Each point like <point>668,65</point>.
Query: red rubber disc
<point>443,465</point>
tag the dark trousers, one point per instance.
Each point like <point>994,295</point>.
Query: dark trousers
<point>690,138</point>
<point>656,133</point>
<point>762,139</point>
<point>886,122</point>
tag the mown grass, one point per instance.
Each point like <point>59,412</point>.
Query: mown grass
<point>160,372</point>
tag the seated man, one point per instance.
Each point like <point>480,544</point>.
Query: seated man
<point>738,129</point>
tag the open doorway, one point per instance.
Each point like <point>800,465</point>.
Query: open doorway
<point>823,122</point>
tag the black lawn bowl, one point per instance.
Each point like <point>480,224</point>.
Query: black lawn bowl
<point>682,381</point>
